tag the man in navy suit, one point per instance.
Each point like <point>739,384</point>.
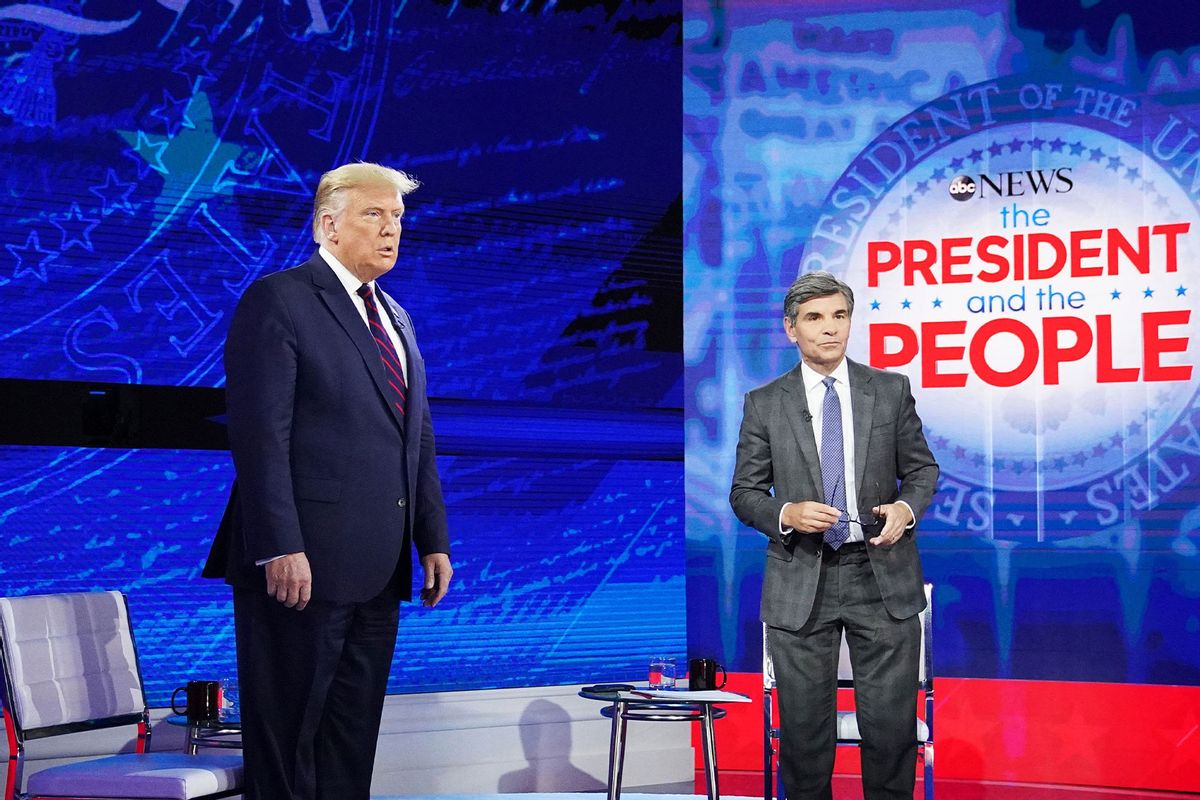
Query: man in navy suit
<point>336,483</point>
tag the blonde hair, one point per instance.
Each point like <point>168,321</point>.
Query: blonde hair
<point>332,189</point>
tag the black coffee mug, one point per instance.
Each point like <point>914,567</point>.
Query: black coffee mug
<point>702,675</point>
<point>203,700</point>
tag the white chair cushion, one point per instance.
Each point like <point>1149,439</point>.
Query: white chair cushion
<point>165,776</point>
<point>71,658</point>
<point>847,728</point>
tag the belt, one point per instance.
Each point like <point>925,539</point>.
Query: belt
<point>847,547</point>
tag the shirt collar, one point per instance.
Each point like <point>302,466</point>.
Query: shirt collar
<point>812,379</point>
<point>347,278</point>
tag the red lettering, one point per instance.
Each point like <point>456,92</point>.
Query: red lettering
<point>881,257</point>
<point>1154,345</point>
<point>1079,252</point>
<point>1036,270</point>
<point>1105,372</point>
<point>1029,354</point>
<point>919,256</point>
<point>986,245</point>
<point>1056,353</point>
<point>1172,232</point>
<point>878,335</point>
<point>951,259</point>
<point>934,353</point>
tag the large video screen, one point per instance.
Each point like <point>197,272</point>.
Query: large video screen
<point>159,157</point>
<point>567,570</point>
<point>1011,190</point>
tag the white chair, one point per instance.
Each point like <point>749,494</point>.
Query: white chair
<point>847,721</point>
<point>69,664</point>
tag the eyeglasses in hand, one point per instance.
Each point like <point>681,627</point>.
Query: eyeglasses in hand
<point>867,520</point>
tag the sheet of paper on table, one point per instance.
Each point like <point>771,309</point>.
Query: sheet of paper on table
<point>686,696</point>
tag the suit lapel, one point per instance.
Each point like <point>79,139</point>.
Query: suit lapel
<point>798,415</point>
<point>862,402</point>
<point>334,296</point>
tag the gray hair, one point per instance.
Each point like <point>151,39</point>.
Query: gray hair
<point>332,189</point>
<point>815,284</point>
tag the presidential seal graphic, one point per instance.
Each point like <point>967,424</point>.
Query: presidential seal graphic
<point>1025,252</point>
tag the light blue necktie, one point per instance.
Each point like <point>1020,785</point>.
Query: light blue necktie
<point>833,464</point>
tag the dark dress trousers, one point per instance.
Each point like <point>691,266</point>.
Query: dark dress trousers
<point>325,466</point>
<point>811,593</point>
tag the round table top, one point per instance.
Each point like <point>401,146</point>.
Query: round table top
<point>228,725</point>
<point>666,706</point>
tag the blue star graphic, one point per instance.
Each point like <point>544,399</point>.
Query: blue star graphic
<point>1114,164</point>
<point>1077,148</point>
<point>1057,145</point>
<point>923,187</point>
<point>1132,173</point>
<point>147,154</point>
<point>32,248</point>
<point>76,229</point>
<point>937,302</point>
<point>1134,428</point>
<point>975,155</point>
<point>908,202</point>
<point>174,112</point>
<point>996,149</point>
<point>1116,295</point>
<point>193,65</point>
<point>1096,155</point>
<point>938,174</point>
<point>1015,145</point>
<point>1180,291</point>
<point>956,163</point>
<point>1036,143</point>
<point>1148,293</point>
<point>894,217</point>
<point>113,194</point>
<point>874,305</point>
<point>906,304</point>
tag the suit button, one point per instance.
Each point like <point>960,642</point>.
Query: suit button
<point>402,502</point>
<point>819,553</point>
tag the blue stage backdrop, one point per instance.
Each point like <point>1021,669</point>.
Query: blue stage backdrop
<point>160,156</point>
<point>1011,188</point>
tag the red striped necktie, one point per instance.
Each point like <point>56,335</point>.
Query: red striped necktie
<point>387,351</point>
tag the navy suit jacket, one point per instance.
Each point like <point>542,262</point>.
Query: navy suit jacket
<point>325,465</point>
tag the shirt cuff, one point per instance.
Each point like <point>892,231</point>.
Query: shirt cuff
<point>784,533</point>
<point>269,560</point>
<point>912,524</point>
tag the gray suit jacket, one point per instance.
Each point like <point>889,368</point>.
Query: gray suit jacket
<point>777,463</point>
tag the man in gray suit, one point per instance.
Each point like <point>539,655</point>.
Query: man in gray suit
<point>833,467</point>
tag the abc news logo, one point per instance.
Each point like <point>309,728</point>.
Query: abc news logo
<point>1013,184</point>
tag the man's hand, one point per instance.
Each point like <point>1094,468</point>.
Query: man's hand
<point>289,580</point>
<point>810,516</point>
<point>437,578</point>
<point>896,518</point>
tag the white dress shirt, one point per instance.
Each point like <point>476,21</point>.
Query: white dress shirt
<point>351,283</point>
<point>814,391</point>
